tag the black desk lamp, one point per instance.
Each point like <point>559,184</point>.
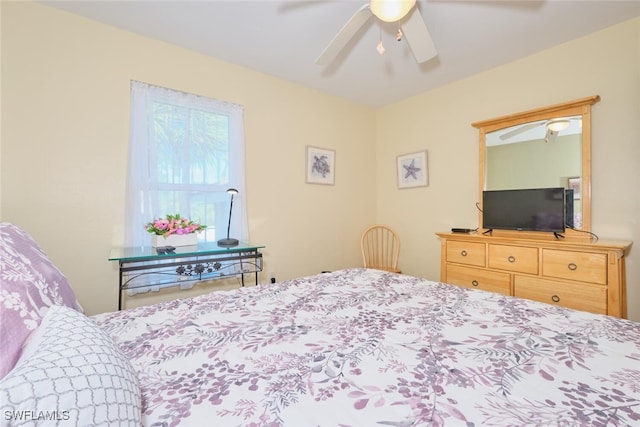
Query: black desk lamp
<point>228,241</point>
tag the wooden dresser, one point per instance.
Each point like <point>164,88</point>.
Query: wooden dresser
<point>583,275</point>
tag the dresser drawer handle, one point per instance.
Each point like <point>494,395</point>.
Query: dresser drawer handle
<point>474,283</point>
<point>463,253</point>
<point>511,259</point>
<point>555,298</point>
<point>572,266</point>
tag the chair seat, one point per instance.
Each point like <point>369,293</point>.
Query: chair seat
<point>390,269</point>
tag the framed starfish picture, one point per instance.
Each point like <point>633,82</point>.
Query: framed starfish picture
<point>413,170</point>
<point>321,164</point>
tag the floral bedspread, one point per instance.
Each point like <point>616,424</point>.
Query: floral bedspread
<point>363,348</point>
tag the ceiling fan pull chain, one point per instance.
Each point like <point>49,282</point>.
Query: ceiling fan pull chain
<point>380,48</point>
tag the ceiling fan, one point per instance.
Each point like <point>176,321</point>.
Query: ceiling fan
<point>554,127</point>
<point>404,12</point>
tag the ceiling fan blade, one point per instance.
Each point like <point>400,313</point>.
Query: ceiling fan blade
<point>521,129</point>
<point>418,37</point>
<point>345,35</point>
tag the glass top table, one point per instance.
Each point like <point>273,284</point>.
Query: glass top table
<point>148,266</point>
<point>144,253</point>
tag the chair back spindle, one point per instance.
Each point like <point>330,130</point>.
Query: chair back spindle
<point>380,247</point>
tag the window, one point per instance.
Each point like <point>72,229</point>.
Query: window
<point>185,152</point>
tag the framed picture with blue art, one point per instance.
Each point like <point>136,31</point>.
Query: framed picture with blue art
<point>321,165</point>
<point>413,170</point>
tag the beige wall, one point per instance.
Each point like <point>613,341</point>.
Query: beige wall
<point>606,63</point>
<point>65,95</point>
<point>65,99</point>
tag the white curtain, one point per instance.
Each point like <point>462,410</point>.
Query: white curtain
<point>143,182</point>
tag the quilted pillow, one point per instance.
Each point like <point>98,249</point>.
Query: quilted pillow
<point>29,282</point>
<point>71,372</point>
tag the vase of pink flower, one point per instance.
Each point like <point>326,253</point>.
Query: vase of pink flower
<point>173,230</point>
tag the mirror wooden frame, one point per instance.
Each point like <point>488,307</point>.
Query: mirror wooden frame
<point>579,107</point>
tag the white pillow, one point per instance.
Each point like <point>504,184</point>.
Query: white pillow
<point>70,373</point>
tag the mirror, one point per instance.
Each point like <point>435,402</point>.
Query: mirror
<point>532,155</point>
<point>545,147</point>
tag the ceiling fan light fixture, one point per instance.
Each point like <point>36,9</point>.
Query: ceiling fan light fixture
<point>558,125</point>
<point>391,10</point>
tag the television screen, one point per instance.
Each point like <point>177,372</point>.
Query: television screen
<point>536,209</point>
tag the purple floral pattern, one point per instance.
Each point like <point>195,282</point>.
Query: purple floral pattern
<point>29,284</point>
<point>366,347</point>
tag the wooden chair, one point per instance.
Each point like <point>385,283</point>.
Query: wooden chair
<point>380,247</point>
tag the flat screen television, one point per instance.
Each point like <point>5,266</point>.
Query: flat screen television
<point>534,209</point>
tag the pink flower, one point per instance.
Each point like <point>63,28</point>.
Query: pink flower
<point>161,224</point>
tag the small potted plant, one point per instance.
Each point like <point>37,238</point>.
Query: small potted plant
<point>173,230</point>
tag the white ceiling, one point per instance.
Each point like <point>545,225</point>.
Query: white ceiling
<point>284,38</point>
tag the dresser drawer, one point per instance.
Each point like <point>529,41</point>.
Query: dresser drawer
<point>476,278</point>
<point>581,266</point>
<point>521,259</point>
<point>579,296</point>
<point>466,253</point>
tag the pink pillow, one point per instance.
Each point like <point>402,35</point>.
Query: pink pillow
<point>29,282</point>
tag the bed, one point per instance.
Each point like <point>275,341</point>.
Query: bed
<point>355,347</point>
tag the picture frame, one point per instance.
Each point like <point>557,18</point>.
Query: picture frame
<point>413,170</point>
<point>574,183</point>
<point>321,164</point>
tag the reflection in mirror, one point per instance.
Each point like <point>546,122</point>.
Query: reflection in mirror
<point>538,154</point>
<point>541,148</point>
